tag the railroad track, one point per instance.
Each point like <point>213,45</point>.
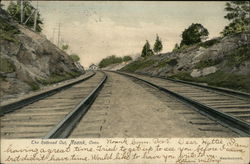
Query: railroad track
<point>91,125</point>
<point>53,114</point>
<point>229,109</point>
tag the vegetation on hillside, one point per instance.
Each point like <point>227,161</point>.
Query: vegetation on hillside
<point>207,63</point>
<point>238,56</point>
<point>74,57</point>
<point>194,37</point>
<point>139,64</point>
<point>55,78</point>
<point>167,61</point>
<point>65,47</point>
<point>14,9</point>
<point>219,79</point>
<point>238,15</point>
<point>6,66</point>
<point>113,60</point>
<point>209,43</point>
<point>8,31</point>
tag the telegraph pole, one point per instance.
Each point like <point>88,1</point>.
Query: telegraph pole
<point>36,14</point>
<point>53,38</point>
<point>58,39</point>
<point>21,9</point>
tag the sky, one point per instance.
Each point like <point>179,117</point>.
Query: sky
<point>97,29</point>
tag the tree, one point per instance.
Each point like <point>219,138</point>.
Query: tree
<point>126,58</point>
<point>14,9</point>
<point>74,57</point>
<point>157,45</point>
<point>195,33</point>
<point>238,15</point>
<point>146,50</point>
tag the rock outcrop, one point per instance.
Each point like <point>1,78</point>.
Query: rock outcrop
<point>226,58</point>
<point>29,60</point>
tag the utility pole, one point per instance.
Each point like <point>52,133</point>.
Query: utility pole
<point>21,9</point>
<point>53,38</point>
<point>36,14</point>
<point>58,39</point>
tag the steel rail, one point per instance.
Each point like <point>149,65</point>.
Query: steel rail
<point>239,126</point>
<point>24,102</point>
<point>65,126</point>
<point>222,90</point>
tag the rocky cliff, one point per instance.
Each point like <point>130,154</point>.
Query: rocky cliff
<point>223,62</point>
<point>28,60</point>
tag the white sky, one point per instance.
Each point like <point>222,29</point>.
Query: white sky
<point>98,29</point>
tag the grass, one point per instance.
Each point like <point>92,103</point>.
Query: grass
<point>207,63</point>
<point>164,63</point>
<point>139,64</point>
<point>8,31</point>
<point>219,79</point>
<point>238,56</point>
<point>6,66</point>
<point>54,78</point>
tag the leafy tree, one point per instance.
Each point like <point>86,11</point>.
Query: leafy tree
<point>126,58</point>
<point>157,45</point>
<point>195,33</point>
<point>74,57</point>
<point>146,50</point>
<point>238,15</point>
<point>65,47</point>
<point>14,9</point>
